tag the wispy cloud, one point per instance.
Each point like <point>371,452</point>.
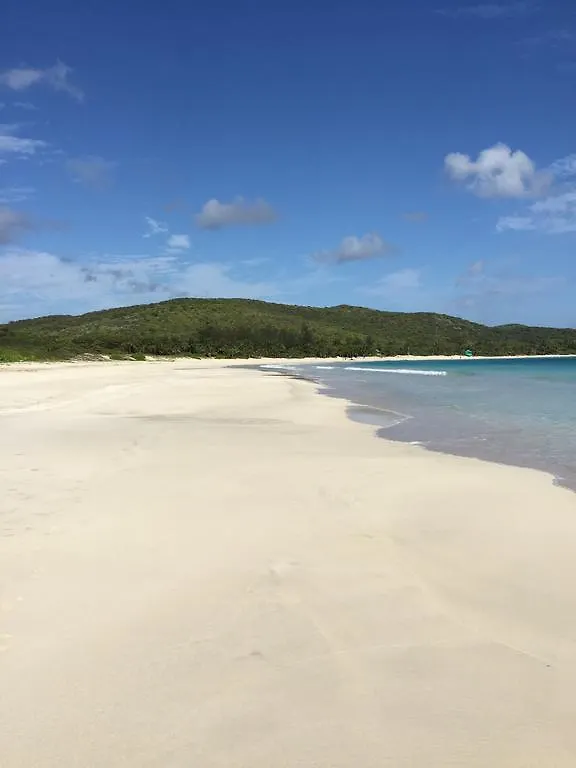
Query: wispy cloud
<point>91,170</point>
<point>498,172</point>
<point>217,280</point>
<point>353,248</point>
<point>402,290</point>
<point>492,11</point>
<point>175,243</point>
<point>556,47</point>
<point>155,227</point>
<point>15,194</point>
<point>476,268</point>
<point>18,145</point>
<point>257,261</point>
<point>178,243</point>
<point>394,282</point>
<point>486,290</point>
<point>38,282</point>
<point>551,38</point>
<point>564,168</point>
<point>515,223</point>
<point>56,77</point>
<point>217,215</point>
<point>25,105</point>
<point>556,213</point>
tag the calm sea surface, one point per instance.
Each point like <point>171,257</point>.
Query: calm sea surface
<point>520,412</point>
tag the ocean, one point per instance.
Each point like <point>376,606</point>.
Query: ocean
<point>519,411</point>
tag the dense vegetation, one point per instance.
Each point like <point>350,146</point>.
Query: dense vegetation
<point>243,328</point>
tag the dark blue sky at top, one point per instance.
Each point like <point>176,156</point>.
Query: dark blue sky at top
<point>323,135</point>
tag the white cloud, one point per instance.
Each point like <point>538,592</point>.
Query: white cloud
<point>25,105</point>
<point>56,77</point>
<point>352,248</point>
<point>13,224</point>
<point>155,227</point>
<point>27,272</point>
<point>216,215</point>
<point>34,283</point>
<point>93,171</point>
<point>178,243</point>
<point>498,172</point>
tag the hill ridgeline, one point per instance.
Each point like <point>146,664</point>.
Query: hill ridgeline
<point>247,328</point>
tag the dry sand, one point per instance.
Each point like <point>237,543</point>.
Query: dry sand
<point>203,567</point>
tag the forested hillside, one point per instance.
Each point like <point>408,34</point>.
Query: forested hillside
<point>245,328</point>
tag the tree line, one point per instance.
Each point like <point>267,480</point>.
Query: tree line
<point>245,328</point>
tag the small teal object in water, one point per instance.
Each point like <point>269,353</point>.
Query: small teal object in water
<point>468,353</point>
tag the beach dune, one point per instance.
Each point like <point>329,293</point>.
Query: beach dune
<point>211,566</point>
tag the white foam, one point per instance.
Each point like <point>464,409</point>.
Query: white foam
<point>408,371</point>
<point>324,367</point>
<point>279,367</point>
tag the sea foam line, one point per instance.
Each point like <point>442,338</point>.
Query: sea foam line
<point>396,370</point>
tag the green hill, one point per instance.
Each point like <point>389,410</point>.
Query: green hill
<point>245,328</point>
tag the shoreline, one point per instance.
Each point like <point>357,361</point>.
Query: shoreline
<point>281,367</point>
<point>26,364</point>
<point>277,365</point>
<point>209,565</point>
<point>381,418</point>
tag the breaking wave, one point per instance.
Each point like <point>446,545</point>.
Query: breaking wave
<point>409,371</point>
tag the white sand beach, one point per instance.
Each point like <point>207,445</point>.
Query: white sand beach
<point>213,567</point>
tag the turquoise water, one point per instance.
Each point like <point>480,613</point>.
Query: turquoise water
<point>519,411</point>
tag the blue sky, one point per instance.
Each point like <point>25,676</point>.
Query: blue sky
<point>419,157</point>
